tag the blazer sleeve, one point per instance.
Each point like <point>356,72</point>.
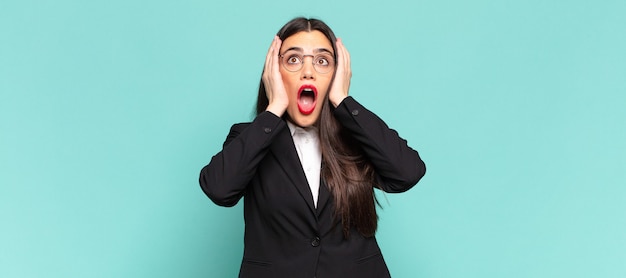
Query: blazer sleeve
<point>225,178</point>
<point>398,166</point>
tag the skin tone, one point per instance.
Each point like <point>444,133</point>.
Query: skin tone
<point>282,86</point>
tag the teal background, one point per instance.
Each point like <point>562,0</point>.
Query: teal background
<point>108,110</point>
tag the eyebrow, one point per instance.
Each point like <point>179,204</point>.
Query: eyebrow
<point>299,49</point>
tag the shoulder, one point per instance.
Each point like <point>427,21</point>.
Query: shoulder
<point>239,126</point>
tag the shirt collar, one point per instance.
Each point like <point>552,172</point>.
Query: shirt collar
<point>294,128</point>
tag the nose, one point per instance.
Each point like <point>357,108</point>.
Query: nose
<point>308,71</point>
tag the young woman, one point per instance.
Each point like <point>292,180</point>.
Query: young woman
<point>307,165</point>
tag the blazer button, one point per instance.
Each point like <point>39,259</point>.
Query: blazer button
<point>267,130</point>
<point>315,242</point>
<point>355,112</point>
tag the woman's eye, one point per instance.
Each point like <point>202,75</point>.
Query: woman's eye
<point>293,60</point>
<point>322,61</point>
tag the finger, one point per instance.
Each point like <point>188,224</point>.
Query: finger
<point>276,59</point>
<point>345,60</point>
<point>270,52</point>
<point>345,54</point>
<point>339,55</point>
<point>267,70</point>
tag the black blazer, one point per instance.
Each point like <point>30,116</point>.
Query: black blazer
<point>285,235</point>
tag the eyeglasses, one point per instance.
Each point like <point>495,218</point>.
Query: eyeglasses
<point>293,61</point>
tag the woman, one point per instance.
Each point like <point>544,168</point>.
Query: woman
<point>307,165</point>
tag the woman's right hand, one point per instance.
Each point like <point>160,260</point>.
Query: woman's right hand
<point>274,87</point>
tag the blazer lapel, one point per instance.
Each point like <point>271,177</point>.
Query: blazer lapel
<point>285,152</point>
<point>324,196</point>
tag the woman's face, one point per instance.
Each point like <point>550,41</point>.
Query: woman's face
<point>306,87</point>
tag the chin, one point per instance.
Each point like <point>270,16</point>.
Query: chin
<point>305,120</point>
<point>304,123</point>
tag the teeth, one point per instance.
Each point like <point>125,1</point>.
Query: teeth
<point>307,89</point>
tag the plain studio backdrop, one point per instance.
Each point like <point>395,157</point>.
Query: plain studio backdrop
<point>108,110</point>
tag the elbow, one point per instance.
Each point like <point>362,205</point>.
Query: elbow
<point>413,173</point>
<point>224,202</point>
<point>408,179</point>
<point>217,193</point>
<point>418,172</point>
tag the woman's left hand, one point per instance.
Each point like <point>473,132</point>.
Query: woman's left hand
<point>341,84</point>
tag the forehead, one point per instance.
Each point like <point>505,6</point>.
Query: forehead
<point>307,41</point>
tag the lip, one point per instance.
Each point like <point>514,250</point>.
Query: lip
<point>307,110</point>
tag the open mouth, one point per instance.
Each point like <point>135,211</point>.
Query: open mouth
<point>307,99</point>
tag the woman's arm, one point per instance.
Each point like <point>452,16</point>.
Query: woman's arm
<point>225,178</point>
<point>398,166</point>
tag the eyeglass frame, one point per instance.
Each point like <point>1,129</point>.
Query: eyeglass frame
<point>312,62</point>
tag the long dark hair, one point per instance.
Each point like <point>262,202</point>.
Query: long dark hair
<point>347,172</point>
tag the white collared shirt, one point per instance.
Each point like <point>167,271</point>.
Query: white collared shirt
<point>310,154</point>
